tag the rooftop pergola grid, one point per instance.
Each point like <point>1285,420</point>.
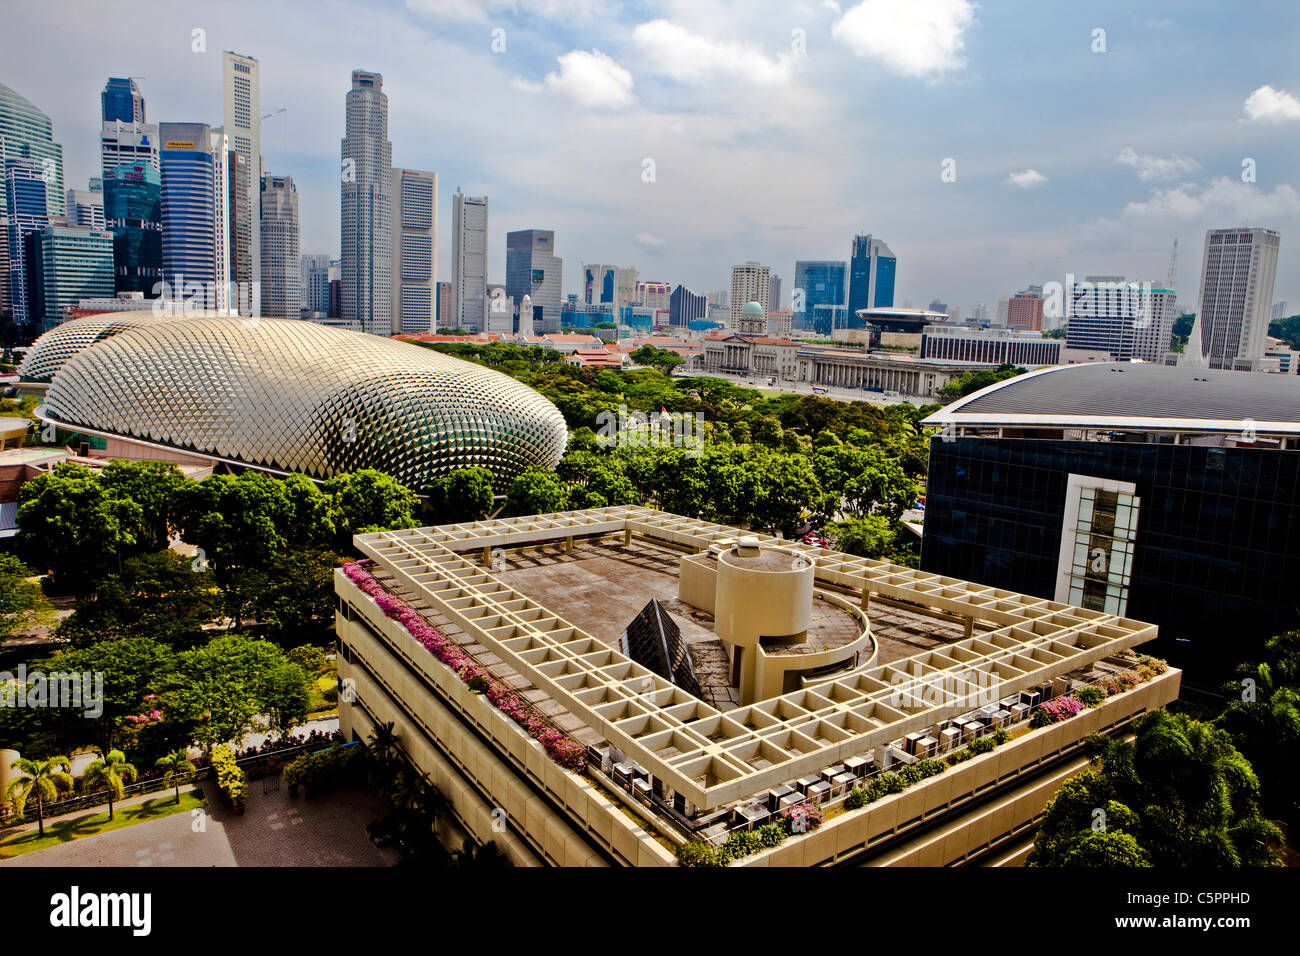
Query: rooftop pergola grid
<point>713,757</point>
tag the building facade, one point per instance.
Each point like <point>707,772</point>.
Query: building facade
<point>281,261</point>
<point>133,214</point>
<point>195,230</point>
<point>469,263</point>
<point>242,123</point>
<point>1162,493</point>
<point>1238,268</point>
<point>314,270</point>
<point>872,269</point>
<point>71,264</point>
<point>1025,312</point>
<point>685,307</point>
<point>992,346</point>
<point>415,250</point>
<point>367,206</point>
<point>818,283</point>
<point>1127,319</point>
<point>85,207</point>
<point>750,282</point>
<point>533,269</point>
<point>27,206</point>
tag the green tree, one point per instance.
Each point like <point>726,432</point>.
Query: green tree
<point>870,536</point>
<point>70,525</point>
<point>368,500</point>
<point>660,359</point>
<point>223,688</point>
<point>462,496</point>
<point>239,523</point>
<point>150,484</point>
<point>294,598</point>
<point>44,778</point>
<point>173,765</point>
<point>159,595</point>
<point>536,491</point>
<point>311,524</point>
<point>1180,789</point>
<point>22,602</point>
<point>968,382</point>
<point>110,772</point>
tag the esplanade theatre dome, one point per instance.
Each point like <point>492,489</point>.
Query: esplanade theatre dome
<point>293,396</point>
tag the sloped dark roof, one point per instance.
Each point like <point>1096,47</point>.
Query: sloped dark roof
<point>654,641</point>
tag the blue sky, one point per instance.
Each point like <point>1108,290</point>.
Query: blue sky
<point>777,129</point>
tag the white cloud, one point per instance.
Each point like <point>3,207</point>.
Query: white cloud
<point>650,242</point>
<point>1224,198</point>
<point>587,78</point>
<point>1272,106</point>
<point>673,51</point>
<point>914,37</point>
<point>1026,179</point>
<point>1156,167</point>
<point>481,10</point>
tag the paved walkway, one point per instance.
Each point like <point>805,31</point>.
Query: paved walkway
<point>275,830</point>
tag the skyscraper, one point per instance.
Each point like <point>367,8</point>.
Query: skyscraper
<point>27,202</point>
<point>774,297</point>
<point>1024,311</point>
<point>750,283</point>
<point>242,123</point>
<point>1127,319</point>
<point>415,250</point>
<point>469,303</point>
<point>26,133</point>
<point>367,206</point>
<point>281,265</point>
<point>195,232</point>
<point>686,307</point>
<point>871,275</point>
<point>533,269</point>
<point>1237,272</point>
<point>122,100</point>
<point>239,239</point>
<point>133,214</point>
<point>69,264</point>
<point>85,207</point>
<point>818,299</point>
<point>442,308</point>
<point>314,270</point>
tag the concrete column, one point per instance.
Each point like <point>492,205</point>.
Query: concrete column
<point>627,537</point>
<point>866,599</point>
<point>487,557</point>
<point>568,543</point>
<point>970,625</point>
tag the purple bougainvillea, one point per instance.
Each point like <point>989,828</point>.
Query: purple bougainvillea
<point>565,751</point>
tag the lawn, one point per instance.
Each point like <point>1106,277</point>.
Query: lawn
<point>316,702</point>
<point>65,831</point>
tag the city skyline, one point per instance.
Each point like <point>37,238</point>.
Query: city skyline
<point>717,97</point>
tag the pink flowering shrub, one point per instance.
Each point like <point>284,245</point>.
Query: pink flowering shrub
<point>565,751</point>
<point>1063,708</point>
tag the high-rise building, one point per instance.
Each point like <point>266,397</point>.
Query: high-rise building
<point>774,297</point>
<point>70,264</point>
<point>335,276</point>
<point>1004,310</point>
<point>717,298</point>
<point>121,100</point>
<point>414,237</point>
<point>1127,319</point>
<point>195,231</point>
<point>1025,311</point>
<point>469,303</point>
<point>442,308</point>
<point>242,123</point>
<point>367,206</point>
<point>1279,311</point>
<point>610,285</point>
<point>871,275</point>
<point>27,203</point>
<point>686,307</point>
<point>1237,272</point>
<point>750,283</point>
<point>127,144</point>
<point>819,288</point>
<point>239,223</point>
<point>533,269</point>
<point>26,133</point>
<point>133,214</point>
<point>654,295</point>
<point>281,263</point>
<point>315,282</point>
<point>85,207</point>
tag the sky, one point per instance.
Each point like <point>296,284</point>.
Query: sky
<point>991,145</point>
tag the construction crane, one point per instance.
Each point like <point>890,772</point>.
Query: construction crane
<point>1173,267</point>
<point>267,116</point>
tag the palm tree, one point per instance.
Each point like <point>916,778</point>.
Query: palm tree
<point>173,765</point>
<point>485,857</point>
<point>45,778</point>
<point>110,772</point>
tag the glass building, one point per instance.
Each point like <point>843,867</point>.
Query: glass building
<point>817,283</point>
<point>26,133</point>
<point>27,200</point>
<point>121,100</point>
<point>871,276</point>
<point>133,214</point>
<point>1165,494</point>
<point>194,227</point>
<point>533,269</point>
<point>71,264</point>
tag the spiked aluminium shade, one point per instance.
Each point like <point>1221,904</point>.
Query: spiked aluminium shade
<point>291,395</point>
